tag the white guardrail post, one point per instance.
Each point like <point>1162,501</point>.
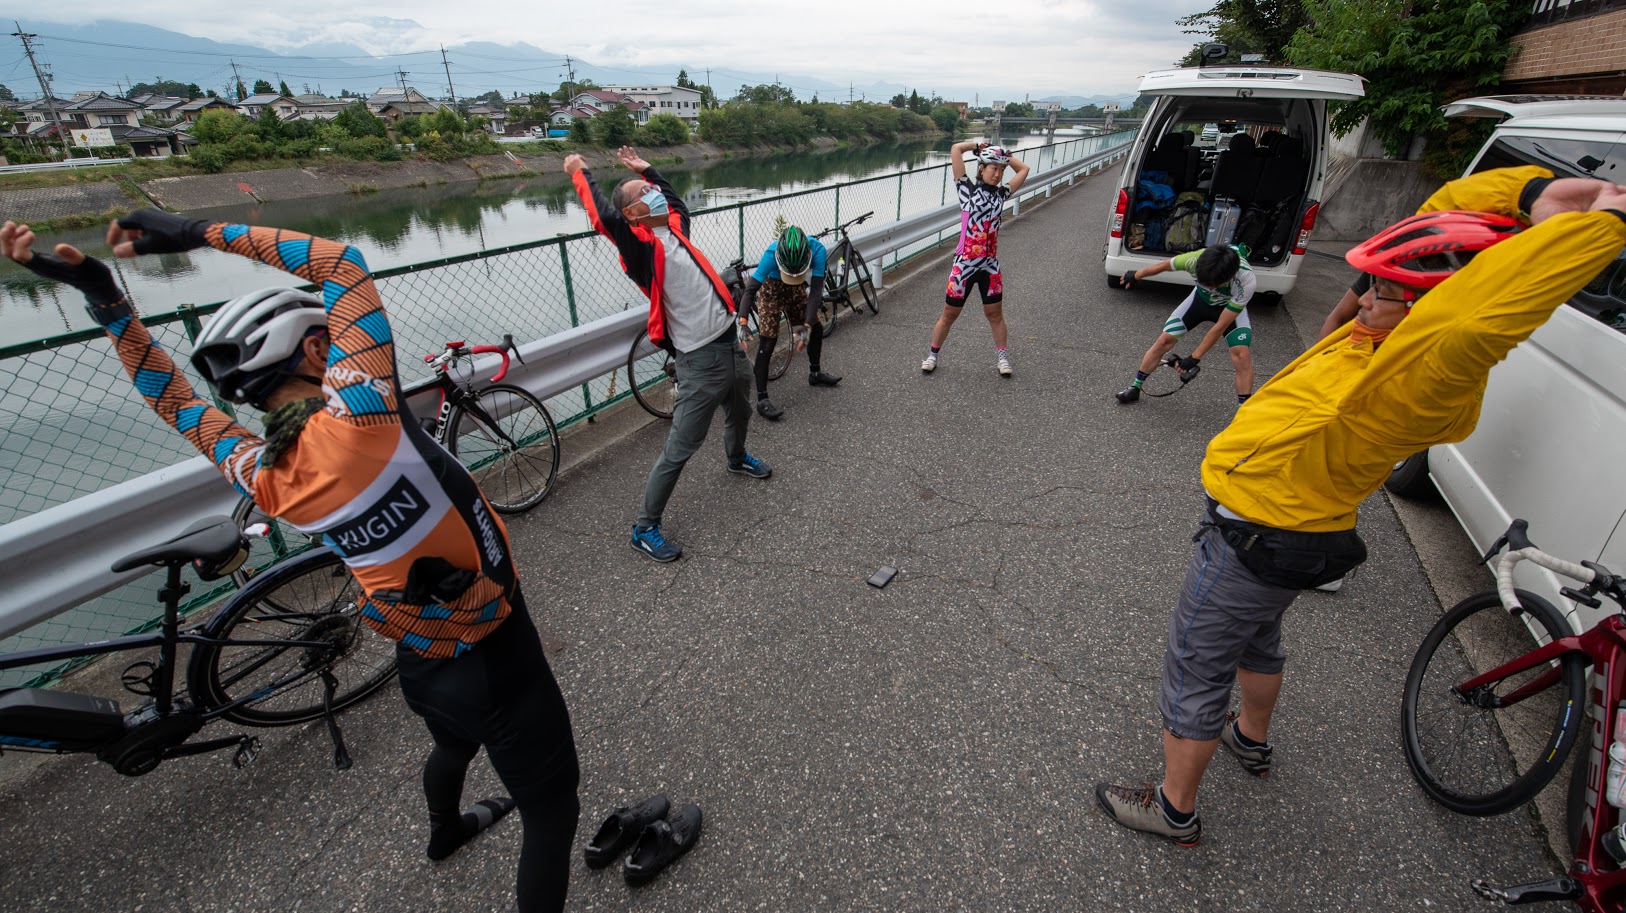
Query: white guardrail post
<point>58,558</point>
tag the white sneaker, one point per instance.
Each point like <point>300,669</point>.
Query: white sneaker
<point>1004,366</point>
<point>1332,586</point>
<point>930,364</point>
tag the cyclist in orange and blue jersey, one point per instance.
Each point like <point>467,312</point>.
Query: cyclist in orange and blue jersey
<point>343,458</point>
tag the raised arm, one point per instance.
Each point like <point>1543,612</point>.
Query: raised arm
<point>957,157</point>
<point>1021,175</point>
<point>233,449</point>
<point>605,218</point>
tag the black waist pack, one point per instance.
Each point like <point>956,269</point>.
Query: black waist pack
<point>1294,561</point>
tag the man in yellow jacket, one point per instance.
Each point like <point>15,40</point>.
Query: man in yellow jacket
<point>1285,478</point>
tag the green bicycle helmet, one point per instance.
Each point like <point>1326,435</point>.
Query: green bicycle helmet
<point>794,256</point>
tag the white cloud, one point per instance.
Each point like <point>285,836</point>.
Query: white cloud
<point>957,47</point>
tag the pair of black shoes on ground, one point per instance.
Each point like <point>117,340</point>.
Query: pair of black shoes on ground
<point>656,838</point>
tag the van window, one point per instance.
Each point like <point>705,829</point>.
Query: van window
<point>1604,298</point>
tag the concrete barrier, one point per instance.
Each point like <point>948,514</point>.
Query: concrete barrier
<point>1363,196</point>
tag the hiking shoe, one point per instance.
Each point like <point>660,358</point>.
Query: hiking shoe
<point>1140,808</point>
<point>1253,760</point>
<point>1128,395</point>
<point>648,539</point>
<point>930,364</point>
<point>661,843</point>
<point>749,465</point>
<point>768,410</point>
<point>1004,366</point>
<point>821,379</point>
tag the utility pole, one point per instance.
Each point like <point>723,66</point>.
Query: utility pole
<point>238,88</point>
<point>849,93</point>
<point>45,84</point>
<point>401,76</point>
<point>448,66</point>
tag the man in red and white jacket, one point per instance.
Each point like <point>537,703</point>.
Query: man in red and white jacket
<point>691,313</point>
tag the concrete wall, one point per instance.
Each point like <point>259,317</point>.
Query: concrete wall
<point>40,203</point>
<point>1369,195</point>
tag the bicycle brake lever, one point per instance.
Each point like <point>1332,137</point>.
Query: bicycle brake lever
<point>508,343</point>
<point>1497,546</point>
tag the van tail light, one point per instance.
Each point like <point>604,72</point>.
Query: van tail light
<point>1119,212</point>
<point>1305,227</point>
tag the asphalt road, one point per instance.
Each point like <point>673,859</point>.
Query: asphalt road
<point>927,747</point>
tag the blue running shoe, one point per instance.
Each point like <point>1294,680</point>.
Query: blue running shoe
<point>648,539</point>
<point>751,466</point>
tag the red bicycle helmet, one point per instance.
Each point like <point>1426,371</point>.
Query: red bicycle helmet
<point>1427,249</point>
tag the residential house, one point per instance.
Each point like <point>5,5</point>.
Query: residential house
<point>676,100</point>
<point>254,105</point>
<point>495,116</point>
<point>189,112</point>
<point>601,100</point>
<point>320,107</point>
<point>164,107</point>
<point>393,111</point>
<point>405,100</point>
<point>1569,48</point>
<point>564,117</point>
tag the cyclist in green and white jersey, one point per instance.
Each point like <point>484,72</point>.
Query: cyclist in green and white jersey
<point>1224,286</point>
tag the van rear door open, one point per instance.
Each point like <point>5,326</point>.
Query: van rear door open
<point>1245,82</point>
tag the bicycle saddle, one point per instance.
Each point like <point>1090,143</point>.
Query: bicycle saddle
<point>212,541</point>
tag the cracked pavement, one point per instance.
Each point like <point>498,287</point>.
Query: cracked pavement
<point>927,747</point>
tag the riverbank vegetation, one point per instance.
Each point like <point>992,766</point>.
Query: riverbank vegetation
<point>770,115</point>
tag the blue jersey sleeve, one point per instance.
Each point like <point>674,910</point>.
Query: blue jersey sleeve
<point>820,257</point>
<point>767,267</point>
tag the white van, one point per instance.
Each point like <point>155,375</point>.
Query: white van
<point>1261,184</point>
<point>1552,428</point>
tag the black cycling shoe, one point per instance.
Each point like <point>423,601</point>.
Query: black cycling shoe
<point>768,410</point>
<point>622,829</point>
<point>661,843</point>
<point>821,379</point>
<point>1128,395</point>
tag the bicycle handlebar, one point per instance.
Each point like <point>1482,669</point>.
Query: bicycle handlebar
<point>1520,548</point>
<point>456,350</point>
<point>842,228</point>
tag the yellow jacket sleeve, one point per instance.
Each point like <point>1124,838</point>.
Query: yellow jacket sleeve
<point>1496,190</point>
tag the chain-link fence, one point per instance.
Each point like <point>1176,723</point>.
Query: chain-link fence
<point>73,424</point>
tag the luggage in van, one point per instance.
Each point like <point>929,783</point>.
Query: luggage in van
<point>1222,221</point>
<point>1183,226</point>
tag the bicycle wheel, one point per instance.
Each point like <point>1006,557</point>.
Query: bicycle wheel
<point>652,373</point>
<point>265,551</point>
<point>784,352</point>
<point>1472,753</point>
<point>507,439</point>
<point>834,295</point>
<point>866,282</point>
<point>309,597</point>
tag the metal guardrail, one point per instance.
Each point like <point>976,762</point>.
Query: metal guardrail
<point>57,558</point>
<point>64,165</point>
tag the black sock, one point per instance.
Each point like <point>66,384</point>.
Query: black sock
<point>1244,741</point>
<point>1175,818</point>
<point>762,395</point>
<point>1242,398</point>
<point>935,349</point>
<point>447,833</point>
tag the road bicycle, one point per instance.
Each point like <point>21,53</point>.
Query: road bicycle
<point>1484,743</point>
<point>501,432</point>
<point>844,268</point>
<point>289,647</point>
<point>652,370</point>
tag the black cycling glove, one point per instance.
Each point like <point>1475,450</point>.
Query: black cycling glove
<point>165,232</point>
<point>90,276</point>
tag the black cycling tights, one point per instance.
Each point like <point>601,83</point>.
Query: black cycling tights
<point>815,346</point>
<point>502,695</point>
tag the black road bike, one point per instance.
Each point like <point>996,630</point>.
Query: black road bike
<point>289,647</point>
<point>846,269</point>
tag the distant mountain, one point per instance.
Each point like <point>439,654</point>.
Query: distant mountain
<point>108,55</point>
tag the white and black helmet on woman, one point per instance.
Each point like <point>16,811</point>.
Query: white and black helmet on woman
<point>252,344</point>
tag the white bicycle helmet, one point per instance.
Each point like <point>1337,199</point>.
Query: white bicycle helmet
<point>245,350</point>
<point>994,155</point>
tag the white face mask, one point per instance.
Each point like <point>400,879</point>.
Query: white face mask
<point>655,200</point>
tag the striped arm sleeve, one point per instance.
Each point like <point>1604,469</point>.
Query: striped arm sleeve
<point>234,449</point>
<point>361,380</point>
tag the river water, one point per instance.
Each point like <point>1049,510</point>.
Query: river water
<point>414,225</point>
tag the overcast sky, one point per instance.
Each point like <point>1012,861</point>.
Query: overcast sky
<point>957,47</point>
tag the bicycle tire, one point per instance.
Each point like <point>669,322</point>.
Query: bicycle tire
<point>510,446</point>
<point>784,352</point>
<point>311,596</point>
<point>265,551</point>
<point>835,293</point>
<point>1448,731</point>
<point>652,374</point>
<point>866,282</point>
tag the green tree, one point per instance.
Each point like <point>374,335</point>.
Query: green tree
<point>766,95</point>
<point>569,90</point>
<point>664,130</point>
<point>1020,109</point>
<point>191,91</point>
<point>614,128</point>
<point>268,125</point>
<point>6,96</point>
<point>219,126</point>
<point>263,87</point>
<point>708,99</point>
<point>1246,27</point>
<point>580,132</point>
<point>1415,55</point>
<point>946,118</point>
<point>356,121</point>
<point>446,122</point>
<point>899,100</point>
<point>282,87</point>
<point>917,104</point>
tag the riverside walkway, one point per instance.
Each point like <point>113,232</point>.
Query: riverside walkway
<point>927,747</point>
